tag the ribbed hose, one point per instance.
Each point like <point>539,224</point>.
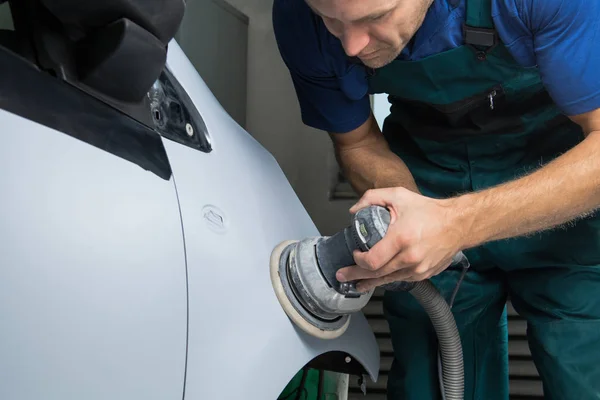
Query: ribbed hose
<point>449,340</point>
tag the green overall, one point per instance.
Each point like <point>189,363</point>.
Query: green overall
<point>465,120</point>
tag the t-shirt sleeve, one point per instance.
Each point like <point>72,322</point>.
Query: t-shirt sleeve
<point>332,96</point>
<point>566,42</point>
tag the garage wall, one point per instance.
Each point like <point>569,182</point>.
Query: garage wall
<point>214,36</point>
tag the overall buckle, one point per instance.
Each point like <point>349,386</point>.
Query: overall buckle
<point>480,37</point>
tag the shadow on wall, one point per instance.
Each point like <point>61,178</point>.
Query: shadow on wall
<point>5,17</point>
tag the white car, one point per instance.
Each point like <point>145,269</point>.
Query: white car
<point>137,220</point>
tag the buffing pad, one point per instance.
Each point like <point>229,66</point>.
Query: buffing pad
<point>287,305</point>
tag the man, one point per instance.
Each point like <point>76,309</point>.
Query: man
<point>492,147</point>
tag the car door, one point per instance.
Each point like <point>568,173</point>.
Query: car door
<point>93,294</point>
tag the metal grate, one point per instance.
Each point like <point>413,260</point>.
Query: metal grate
<point>524,379</point>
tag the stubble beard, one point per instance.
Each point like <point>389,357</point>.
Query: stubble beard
<point>381,61</point>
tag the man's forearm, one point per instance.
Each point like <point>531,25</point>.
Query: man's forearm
<point>373,166</point>
<point>559,192</point>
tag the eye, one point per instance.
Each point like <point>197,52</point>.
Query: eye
<point>334,26</point>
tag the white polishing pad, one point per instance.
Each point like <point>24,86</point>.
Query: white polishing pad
<point>287,305</point>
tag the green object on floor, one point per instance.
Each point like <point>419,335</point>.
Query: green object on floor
<point>312,384</point>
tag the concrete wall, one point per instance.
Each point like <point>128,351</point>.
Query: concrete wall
<point>273,118</point>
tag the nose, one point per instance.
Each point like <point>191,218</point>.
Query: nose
<point>354,40</point>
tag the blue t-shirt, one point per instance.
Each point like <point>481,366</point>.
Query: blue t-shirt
<point>560,37</point>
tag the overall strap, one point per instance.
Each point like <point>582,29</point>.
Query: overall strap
<point>479,28</point>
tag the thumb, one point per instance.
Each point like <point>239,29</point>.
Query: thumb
<point>378,197</point>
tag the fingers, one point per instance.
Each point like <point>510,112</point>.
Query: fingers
<point>398,276</point>
<point>393,247</point>
<point>379,255</point>
<point>393,242</point>
<point>369,280</point>
<point>379,197</point>
<point>368,271</point>
<point>356,273</point>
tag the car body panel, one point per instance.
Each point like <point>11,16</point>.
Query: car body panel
<point>92,272</point>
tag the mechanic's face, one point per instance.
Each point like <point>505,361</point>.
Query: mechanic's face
<point>375,31</point>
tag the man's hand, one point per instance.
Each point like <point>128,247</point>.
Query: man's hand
<point>420,242</point>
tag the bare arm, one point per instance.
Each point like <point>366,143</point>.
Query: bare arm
<point>368,162</point>
<point>565,189</point>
